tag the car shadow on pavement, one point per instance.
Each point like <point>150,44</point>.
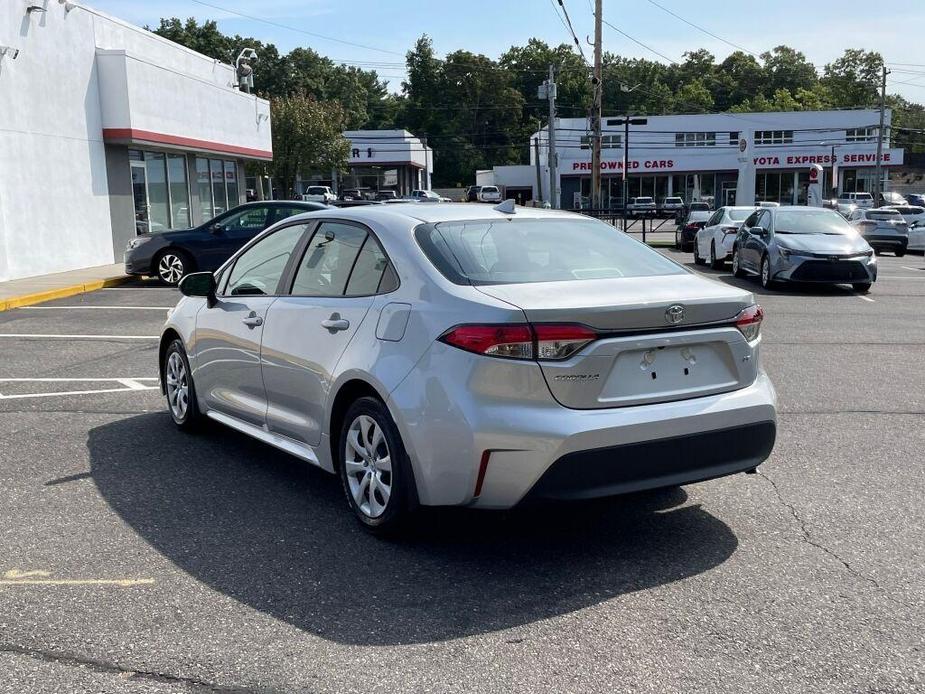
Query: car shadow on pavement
<point>276,535</point>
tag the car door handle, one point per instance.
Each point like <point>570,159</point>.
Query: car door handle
<point>335,323</point>
<point>252,321</point>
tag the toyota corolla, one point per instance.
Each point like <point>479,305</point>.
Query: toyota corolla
<point>477,356</point>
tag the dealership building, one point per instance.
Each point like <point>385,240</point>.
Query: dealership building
<point>700,157</point>
<point>109,129</point>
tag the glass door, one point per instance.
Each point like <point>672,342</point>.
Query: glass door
<point>140,196</point>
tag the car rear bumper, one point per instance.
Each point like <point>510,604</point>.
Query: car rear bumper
<point>651,464</point>
<point>499,423</point>
<point>889,242</point>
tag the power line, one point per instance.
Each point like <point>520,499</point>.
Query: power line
<point>300,31</point>
<point>700,28</point>
<point>635,40</point>
<point>571,29</point>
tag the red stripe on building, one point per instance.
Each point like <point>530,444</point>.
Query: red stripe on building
<point>135,135</point>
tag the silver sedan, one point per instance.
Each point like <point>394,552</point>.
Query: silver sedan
<point>459,355</point>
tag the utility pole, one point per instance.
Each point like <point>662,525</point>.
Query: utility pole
<point>626,121</point>
<point>551,96</point>
<point>596,199</point>
<point>539,178</point>
<point>878,184</point>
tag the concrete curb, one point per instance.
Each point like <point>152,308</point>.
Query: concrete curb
<point>61,293</point>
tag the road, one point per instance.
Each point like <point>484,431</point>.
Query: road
<point>139,559</point>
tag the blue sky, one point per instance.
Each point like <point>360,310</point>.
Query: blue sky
<point>821,30</point>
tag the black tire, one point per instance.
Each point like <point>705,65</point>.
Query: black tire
<point>877,251</point>
<point>171,265</point>
<point>715,263</point>
<point>765,277</point>
<point>901,253</point>
<point>187,418</point>
<point>677,241</point>
<point>399,479</point>
<point>697,259</point>
<point>737,270</point>
<point>861,287</point>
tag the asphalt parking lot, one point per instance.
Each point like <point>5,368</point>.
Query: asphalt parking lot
<point>139,559</point>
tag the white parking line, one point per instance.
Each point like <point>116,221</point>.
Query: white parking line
<point>108,308</point>
<point>127,385</point>
<point>865,298</point>
<point>50,336</point>
<point>906,267</point>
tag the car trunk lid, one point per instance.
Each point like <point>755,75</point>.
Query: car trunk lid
<point>643,353</point>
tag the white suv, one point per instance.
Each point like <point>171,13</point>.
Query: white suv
<point>319,194</point>
<point>490,194</point>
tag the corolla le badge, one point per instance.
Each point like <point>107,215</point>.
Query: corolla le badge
<point>674,314</point>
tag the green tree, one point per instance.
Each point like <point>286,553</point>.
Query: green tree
<point>306,137</point>
<point>854,79</point>
<point>786,68</point>
<point>693,97</point>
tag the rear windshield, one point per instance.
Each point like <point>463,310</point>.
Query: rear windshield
<point>699,206</point>
<point>884,215</point>
<point>489,189</point>
<point>862,196</point>
<point>672,200</point>
<point>644,200</point>
<point>315,190</point>
<point>739,215</point>
<point>537,250</point>
<point>811,221</point>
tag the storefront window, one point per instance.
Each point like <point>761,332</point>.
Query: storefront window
<point>179,191</point>
<point>231,180</point>
<point>219,199</point>
<point>158,210</point>
<point>785,197</point>
<point>204,188</point>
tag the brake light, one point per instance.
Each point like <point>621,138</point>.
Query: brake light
<point>543,341</point>
<point>749,321</point>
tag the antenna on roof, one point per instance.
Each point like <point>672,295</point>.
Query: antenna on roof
<point>509,206</point>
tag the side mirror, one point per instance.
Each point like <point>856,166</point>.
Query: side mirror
<point>759,231</point>
<point>216,228</point>
<point>199,284</point>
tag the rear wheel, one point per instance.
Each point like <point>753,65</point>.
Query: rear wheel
<point>900,253</point>
<point>737,270</point>
<point>715,263</point>
<point>697,259</point>
<point>373,467</point>
<point>861,287</point>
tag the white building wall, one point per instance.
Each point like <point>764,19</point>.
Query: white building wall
<point>53,186</point>
<point>76,74</point>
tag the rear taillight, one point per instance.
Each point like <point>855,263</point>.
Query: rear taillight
<point>749,321</point>
<point>544,341</point>
<point>691,227</point>
<point>560,341</point>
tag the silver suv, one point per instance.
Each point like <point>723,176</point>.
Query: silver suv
<point>472,356</point>
<point>884,228</point>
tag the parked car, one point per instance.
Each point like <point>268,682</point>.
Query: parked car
<point>883,228</point>
<point>425,196</point>
<point>849,202</point>
<point>641,207</point>
<point>913,214</point>
<point>695,220</point>
<point>717,237</point>
<point>489,194</point>
<point>356,203</point>
<point>472,193</point>
<point>319,194</point>
<point>420,355</point>
<point>352,194</point>
<point>670,206</point>
<point>171,255</point>
<point>917,199</point>
<point>890,199</point>
<point>386,195</point>
<point>803,244</point>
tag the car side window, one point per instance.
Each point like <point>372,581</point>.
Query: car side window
<point>283,211</point>
<point>258,270</point>
<point>750,222</point>
<point>325,267</point>
<point>371,272</point>
<point>251,219</point>
<point>715,218</point>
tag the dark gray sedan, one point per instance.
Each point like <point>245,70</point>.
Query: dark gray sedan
<point>803,244</point>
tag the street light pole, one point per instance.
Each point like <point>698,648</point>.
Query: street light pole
<point>626,122</point>
<point>878,184</point>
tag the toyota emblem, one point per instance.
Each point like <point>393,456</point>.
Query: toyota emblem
<point>674,314</point>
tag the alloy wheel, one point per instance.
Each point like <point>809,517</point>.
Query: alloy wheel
<point>765,272</point>
<point>170,268</point>
<point>735,261</point>
<point>713,254</point>
<point>368,466</point>
<point>177,386</point>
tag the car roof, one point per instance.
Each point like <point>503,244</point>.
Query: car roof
<point>414,213</point>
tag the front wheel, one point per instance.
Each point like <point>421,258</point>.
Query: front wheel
<point>373,467</point>
<point>861,287</point>
<point>172,266</point>
<point>737,270</point>
<point>901,253</point>
<point>179,388</point>
<point>766,280</point>
<point>697,259</point>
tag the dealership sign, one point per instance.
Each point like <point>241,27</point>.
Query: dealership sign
<point>718,161</point>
